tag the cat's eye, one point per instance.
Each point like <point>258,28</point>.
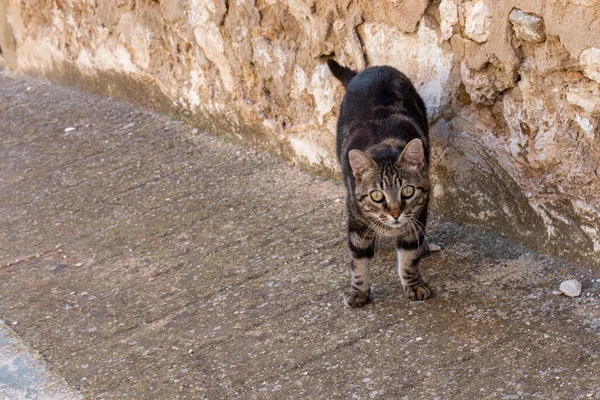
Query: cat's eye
<point>377,196</point>
<point>408,191</point>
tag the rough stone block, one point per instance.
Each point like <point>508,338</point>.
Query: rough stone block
<point>571,288</point>
<point>586,96</point>
<point>527,27</point>
<point>485,85</point>
<point>477,21</point>
<point>589,60</point>
<point>449,16</point>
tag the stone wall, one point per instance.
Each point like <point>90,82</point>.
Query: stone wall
<point>512,87</point>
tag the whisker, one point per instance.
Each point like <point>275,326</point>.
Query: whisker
<point>372,228</point>
<point>414,230</point>
<point>419,224</point>
<point>421,227</point>
<point>417,221</point>
<point>375,232</point>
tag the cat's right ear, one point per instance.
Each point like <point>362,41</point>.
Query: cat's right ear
<point>413,154</point>
<point>360,163</point>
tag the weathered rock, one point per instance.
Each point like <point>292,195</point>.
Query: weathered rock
<point>449,16</point>
<point>551,57</point>
<point>571,288</point>
<point>404,15</point>
<point>590,63</point>
<point>586,126</point>
<point>585,95</point>
<point>417,55</point>
<point>485,85</point>
<point>434,247</point>
<point>477,21</point>
<point>527,27</point>
<point>533,130</point>
<point>584,2</point>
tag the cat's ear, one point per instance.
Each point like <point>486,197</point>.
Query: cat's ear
<point>413,154</point>
<point>361,163</point>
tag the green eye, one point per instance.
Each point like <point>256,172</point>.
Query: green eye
<point>377,196</point>
<point>408,191</point>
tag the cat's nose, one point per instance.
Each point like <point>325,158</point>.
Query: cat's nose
<point>395,215</point>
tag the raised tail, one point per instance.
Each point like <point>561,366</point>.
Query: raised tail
<point>343,74</point>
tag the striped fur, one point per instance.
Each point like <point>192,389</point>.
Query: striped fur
<point>383,150</point>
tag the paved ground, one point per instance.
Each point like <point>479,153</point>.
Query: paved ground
<point>23,373</point>
<point>143,260</point>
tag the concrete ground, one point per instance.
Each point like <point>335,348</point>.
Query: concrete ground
<point>143,259</point>
<point>23,373</point>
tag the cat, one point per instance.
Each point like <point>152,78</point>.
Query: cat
<point>383,151</point>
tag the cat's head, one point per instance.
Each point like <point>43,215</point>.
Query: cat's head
<point>392,194</point>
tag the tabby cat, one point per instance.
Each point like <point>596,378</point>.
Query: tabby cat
<point>383,150</point>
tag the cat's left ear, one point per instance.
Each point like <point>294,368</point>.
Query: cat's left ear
<point>413,154</point>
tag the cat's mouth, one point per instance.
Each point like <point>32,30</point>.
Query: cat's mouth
<point>394,224</point>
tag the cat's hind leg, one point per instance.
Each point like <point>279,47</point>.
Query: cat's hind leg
<point>362,251</point>
<point>410,276</point>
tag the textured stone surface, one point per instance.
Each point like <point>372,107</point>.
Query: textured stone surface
<point>590,62</point>
<point>23,372</point>
<point>485,85</point>
<point>586,95</point>
<point>517,115</point>
<point>449,17</point>
<point>477,21</point>
<point>571,288</point>
<point>145,259</point>
<point>418,55</point>
<point>527,26</point>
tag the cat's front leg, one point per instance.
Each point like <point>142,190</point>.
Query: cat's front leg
<point>362,250</point>
<point>410,276</point>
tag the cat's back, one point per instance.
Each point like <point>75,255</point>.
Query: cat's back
<point>375,79</point>
<point>380,84</point>
<point>380,103</point>
<point>381,88</point>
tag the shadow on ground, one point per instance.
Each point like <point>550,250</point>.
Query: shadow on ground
<point>145,261</point>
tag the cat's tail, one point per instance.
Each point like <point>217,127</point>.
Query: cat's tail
<point>343,74</point>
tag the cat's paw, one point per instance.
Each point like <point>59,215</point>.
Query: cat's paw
<point>358,299</point>
<point>417,292</point>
